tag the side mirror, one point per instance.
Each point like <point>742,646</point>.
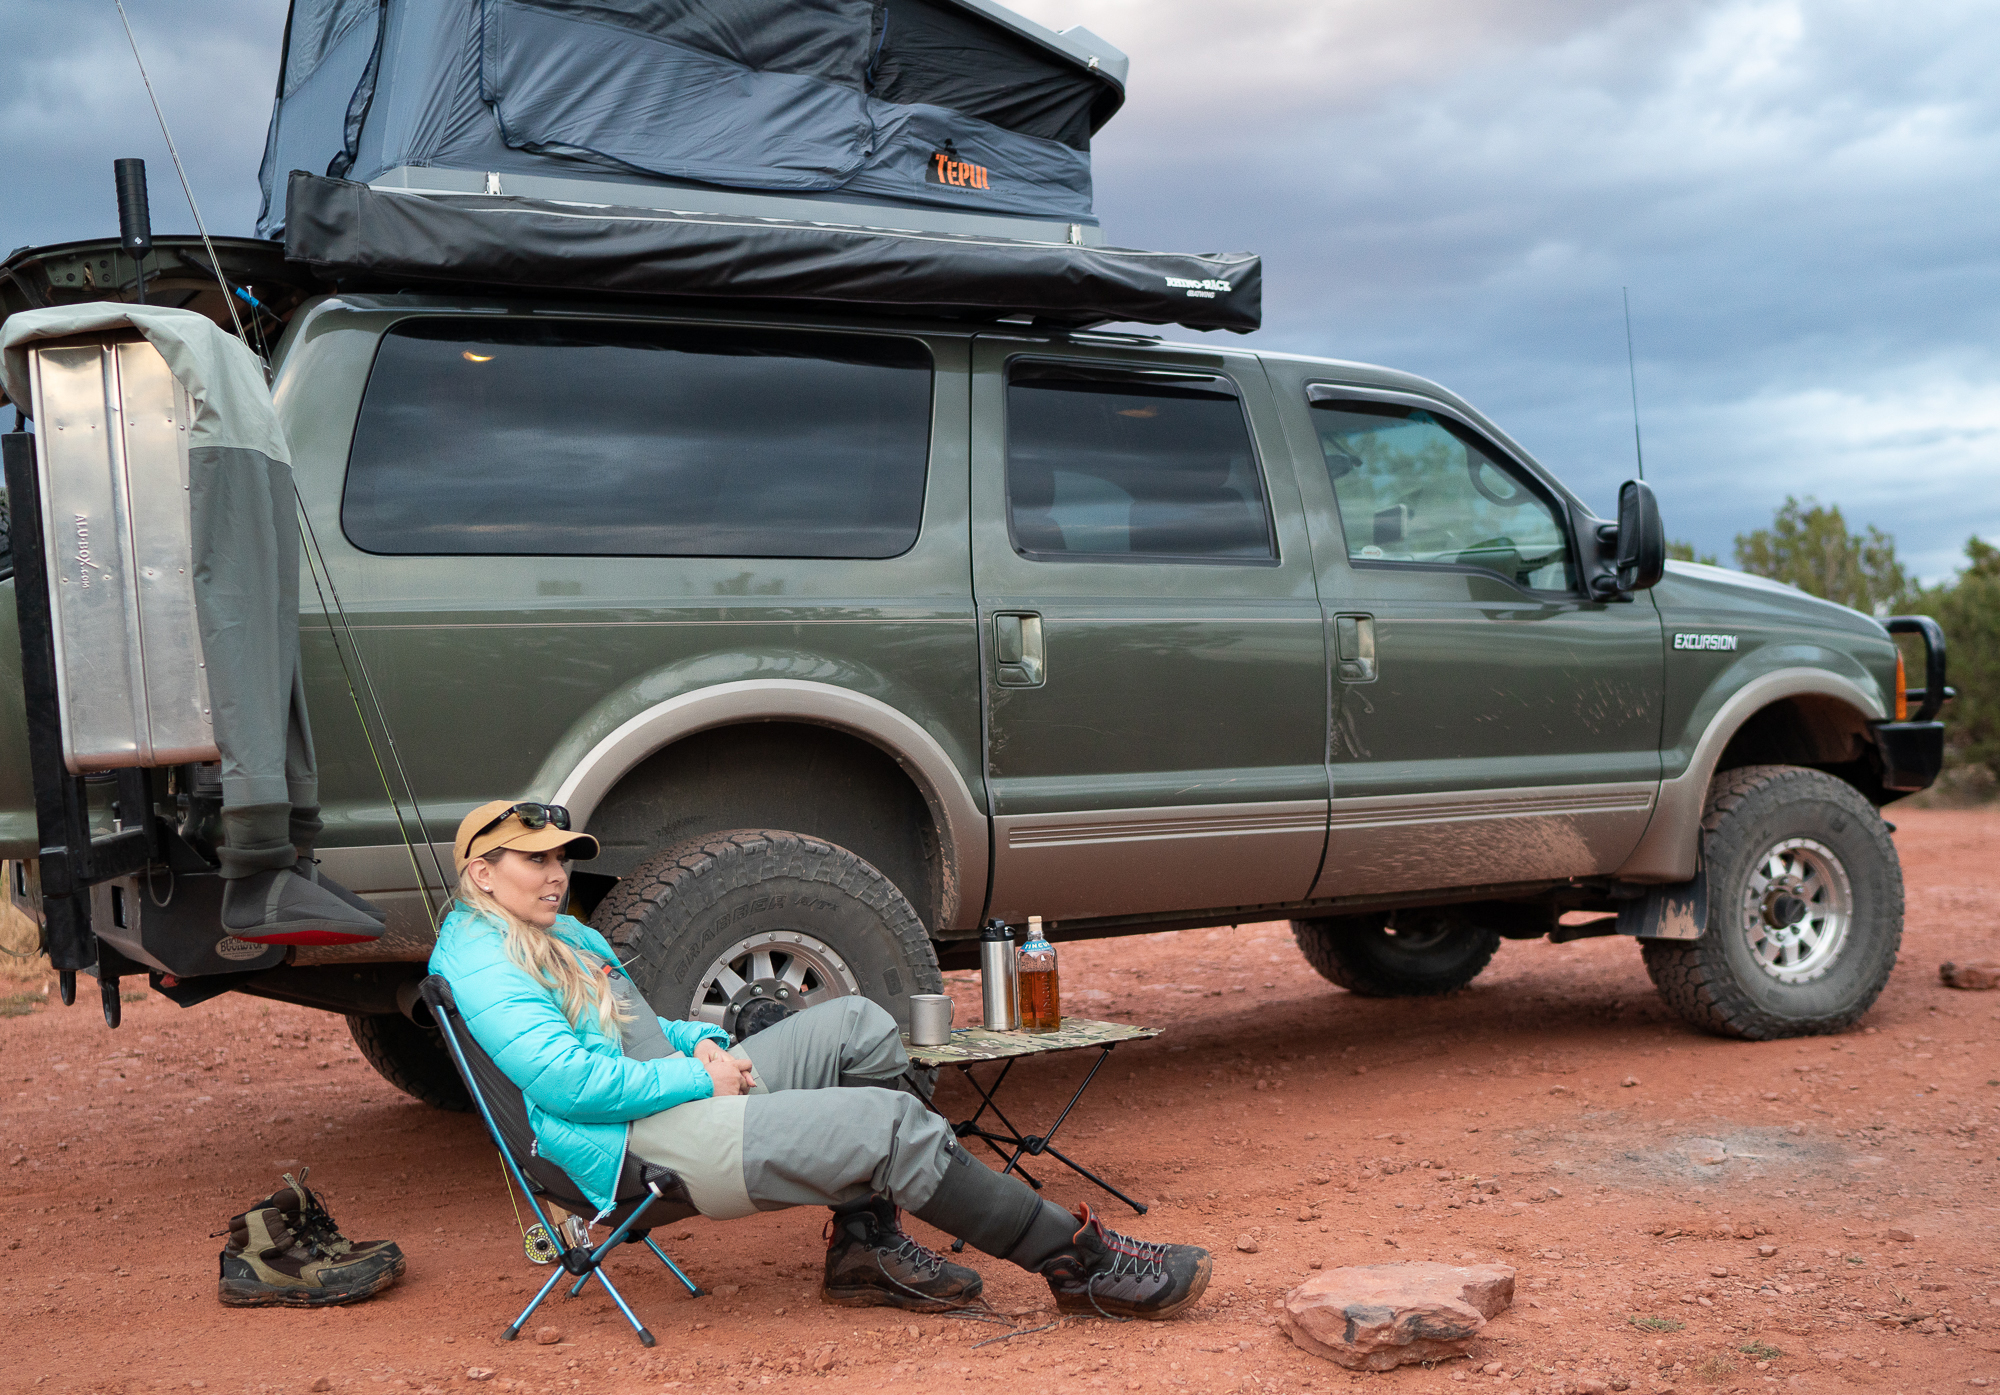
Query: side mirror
<point>1642,539</point>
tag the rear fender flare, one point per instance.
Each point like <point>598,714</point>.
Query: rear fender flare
<point>961,827</point>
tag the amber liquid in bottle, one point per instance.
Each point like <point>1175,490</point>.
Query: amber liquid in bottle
<point>1041,986</point>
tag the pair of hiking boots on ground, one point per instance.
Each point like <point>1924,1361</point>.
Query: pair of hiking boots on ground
<point>871,1262</point>
<point>286,1251</point>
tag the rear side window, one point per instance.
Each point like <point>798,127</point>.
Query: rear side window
<point>1135,466</point>
<point>579,439</point>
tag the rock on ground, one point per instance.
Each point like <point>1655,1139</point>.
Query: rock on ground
<point>1984,975</point>
<point>1375,1317</point>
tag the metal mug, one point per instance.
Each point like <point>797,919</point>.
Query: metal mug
<point>930,1019</point>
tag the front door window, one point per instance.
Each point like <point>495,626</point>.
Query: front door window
<point>1415,488</point>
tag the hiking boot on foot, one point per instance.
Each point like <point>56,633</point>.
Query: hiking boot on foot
<point>313,1227</point>
<point>871,1263</point>
<point>264,1266</point>
<point>1114,1275</point>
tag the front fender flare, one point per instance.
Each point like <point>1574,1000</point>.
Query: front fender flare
<point>1669,848</point>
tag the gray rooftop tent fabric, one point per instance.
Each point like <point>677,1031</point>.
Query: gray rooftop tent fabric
<point>942,103</point>
<point>361,236</point>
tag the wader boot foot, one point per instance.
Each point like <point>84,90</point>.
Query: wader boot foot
<point>308,867</point>
<point>280,907</point>
<point>871,1263</point>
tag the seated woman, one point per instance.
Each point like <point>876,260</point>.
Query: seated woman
<point>804,1113</point>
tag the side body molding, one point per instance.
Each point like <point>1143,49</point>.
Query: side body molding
<point>1667,851</point>
<point>962,831</point>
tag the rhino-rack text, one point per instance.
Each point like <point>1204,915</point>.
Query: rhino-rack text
<point>1726,643</point>
<point>1204,290</point>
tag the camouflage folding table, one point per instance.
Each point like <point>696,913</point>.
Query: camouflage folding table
<point>972,1046</point>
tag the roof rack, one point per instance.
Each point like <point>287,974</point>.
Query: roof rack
<point>178,274</point>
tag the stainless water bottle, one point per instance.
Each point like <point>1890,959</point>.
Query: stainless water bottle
<point>998,996</point>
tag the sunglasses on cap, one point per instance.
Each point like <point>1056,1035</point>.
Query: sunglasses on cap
<point>532,816</point>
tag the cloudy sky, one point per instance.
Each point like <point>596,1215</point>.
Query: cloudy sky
<point>1799,195</point>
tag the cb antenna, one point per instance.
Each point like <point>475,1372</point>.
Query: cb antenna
<point>1631,367</point>
<point>214,262</point>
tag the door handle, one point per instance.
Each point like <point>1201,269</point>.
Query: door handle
<point>1354,648</point>
<point>1017,649</point>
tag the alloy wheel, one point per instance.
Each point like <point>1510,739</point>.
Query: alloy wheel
<point>769,975</point>
<point>1797,908</point>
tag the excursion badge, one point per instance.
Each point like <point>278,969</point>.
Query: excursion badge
<point>1723,643</point>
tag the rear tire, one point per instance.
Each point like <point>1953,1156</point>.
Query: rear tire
<point>1769,831</point>
<point>741,929</point>
<point>411,1058</point>
<point>1406,954</point>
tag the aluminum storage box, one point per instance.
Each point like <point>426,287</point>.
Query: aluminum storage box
<point>111,454</point>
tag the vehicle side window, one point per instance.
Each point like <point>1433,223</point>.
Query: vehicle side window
<point>1133,466</point>
<point>586,438</point>
<point>1418,488</point>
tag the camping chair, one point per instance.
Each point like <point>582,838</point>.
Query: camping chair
<point>647,1195</point>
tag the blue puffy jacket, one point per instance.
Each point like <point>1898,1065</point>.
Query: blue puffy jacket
<point>582,1090</point>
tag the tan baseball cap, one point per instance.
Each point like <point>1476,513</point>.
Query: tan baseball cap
<point>508,830</point>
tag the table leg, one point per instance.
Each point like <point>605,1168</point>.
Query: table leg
<point>1013,1137</point>
<point>986,1095</point>
<point>1138,1206</point>
<point>1037,1146</point>
<point>1030,1144</point>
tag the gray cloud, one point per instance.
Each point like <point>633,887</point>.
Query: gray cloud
<point>1450,186</point>
<point>71,102</point>
<point>1462,189</point>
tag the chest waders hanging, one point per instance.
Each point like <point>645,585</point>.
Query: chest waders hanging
<point>157,546</point>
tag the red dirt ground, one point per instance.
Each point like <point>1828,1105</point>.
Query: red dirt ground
<point>1318,1127</point>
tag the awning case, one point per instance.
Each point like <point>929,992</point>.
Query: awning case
<point>358,235</point>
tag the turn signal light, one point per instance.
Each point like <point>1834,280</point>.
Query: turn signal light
<point>1902,690</point>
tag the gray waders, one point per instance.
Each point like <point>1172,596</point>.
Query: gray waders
<point>828,1124</point>
<point>244,537</point>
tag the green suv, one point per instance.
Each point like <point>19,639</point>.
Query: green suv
<point>847,635</point>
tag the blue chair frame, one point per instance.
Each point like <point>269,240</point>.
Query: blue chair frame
<point>645,1191</point>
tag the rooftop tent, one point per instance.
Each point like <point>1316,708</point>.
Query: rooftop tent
<point>959,107</point>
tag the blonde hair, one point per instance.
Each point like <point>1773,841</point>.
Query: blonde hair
<point>546,959</point>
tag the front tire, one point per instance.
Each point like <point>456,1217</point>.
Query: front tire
<point>1804,913</point>
<point>741,929</point>
<point>1407,954</point>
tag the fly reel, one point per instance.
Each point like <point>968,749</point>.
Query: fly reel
<point>541,1249</point>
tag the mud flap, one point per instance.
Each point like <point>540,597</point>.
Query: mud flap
<point>1677,911</point>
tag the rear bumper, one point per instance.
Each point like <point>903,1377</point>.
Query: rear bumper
<point>1912,754</point>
